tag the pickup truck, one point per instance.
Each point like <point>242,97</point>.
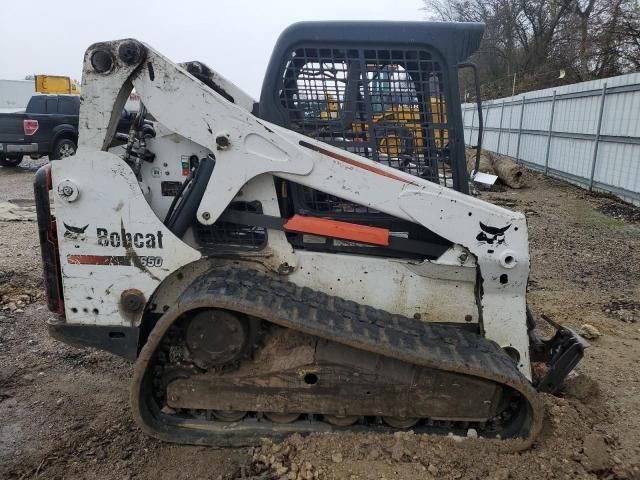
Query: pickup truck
<point>49,126</point>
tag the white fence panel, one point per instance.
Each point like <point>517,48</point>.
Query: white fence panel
<point>586,133</point>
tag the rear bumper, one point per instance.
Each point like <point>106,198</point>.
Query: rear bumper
<point>19,148</point>
<point>121,341</point>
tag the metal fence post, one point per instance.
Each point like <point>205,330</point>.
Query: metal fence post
<point>510,122</point>
<point>520,130</point>
<point>473,119</point>
<point>486,123</point>
<point>500,127</point>
<point>546,155</point>
<point>597,139</point>
<point>464,125</point>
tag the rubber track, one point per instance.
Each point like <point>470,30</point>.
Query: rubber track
<point>359,326</point>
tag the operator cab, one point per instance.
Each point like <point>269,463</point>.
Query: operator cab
<point>387,91</point>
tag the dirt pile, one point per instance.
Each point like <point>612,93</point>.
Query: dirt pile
<point>614,208</point>
<point>564,452</point>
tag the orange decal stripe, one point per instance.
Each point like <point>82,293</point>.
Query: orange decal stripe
<point>355,163</point>
<point>335,229</point>
<point>114,260</point>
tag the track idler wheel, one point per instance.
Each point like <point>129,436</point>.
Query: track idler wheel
<point>229,415</point>
<point>341,420</point>
<point>401,423</point>
<point>282,417</point>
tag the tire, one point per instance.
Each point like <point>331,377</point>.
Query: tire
<point>10,161</point>
<point>63,148</point>
<point>406,144</point>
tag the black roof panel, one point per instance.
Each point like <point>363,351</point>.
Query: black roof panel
<point>456,41</point>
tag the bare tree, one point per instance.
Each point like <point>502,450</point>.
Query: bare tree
<point>535,39</point>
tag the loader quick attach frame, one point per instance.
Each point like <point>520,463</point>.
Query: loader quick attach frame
<point>356,148</point>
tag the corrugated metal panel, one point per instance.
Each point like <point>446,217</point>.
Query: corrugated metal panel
<point>571,156</point>
<point>619,165</point>
<point>568,150</point>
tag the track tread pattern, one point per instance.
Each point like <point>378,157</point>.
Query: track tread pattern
<point>344,321</point>
<point>301,308</point>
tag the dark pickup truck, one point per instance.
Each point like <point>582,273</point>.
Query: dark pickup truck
<point>49,126</point>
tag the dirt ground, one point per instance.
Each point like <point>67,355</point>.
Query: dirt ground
<point>64,411</point>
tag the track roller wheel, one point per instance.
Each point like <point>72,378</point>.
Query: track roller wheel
<point>229,415</point>
<point>282,417</point>
<point>400,422</point>
<point>341,420</point>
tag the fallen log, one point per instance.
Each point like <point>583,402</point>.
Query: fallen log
<point>485,162</point>
<point>508,171</point>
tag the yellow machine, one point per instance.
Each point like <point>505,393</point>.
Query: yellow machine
<point>56,84</point>
<point>408,117</point>
<point>401,112</point>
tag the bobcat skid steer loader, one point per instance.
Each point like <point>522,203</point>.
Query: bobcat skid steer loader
<point>272,269</point>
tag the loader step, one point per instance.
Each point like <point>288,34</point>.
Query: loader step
<point>446,350</point>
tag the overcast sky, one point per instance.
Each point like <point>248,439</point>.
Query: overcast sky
<point>234,37</point>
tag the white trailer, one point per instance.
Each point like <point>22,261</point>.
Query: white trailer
<point>15,94</point>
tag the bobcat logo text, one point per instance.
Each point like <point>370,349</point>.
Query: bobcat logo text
<point>126,239</point>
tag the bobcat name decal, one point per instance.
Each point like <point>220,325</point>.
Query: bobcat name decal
<point>126,239</point>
